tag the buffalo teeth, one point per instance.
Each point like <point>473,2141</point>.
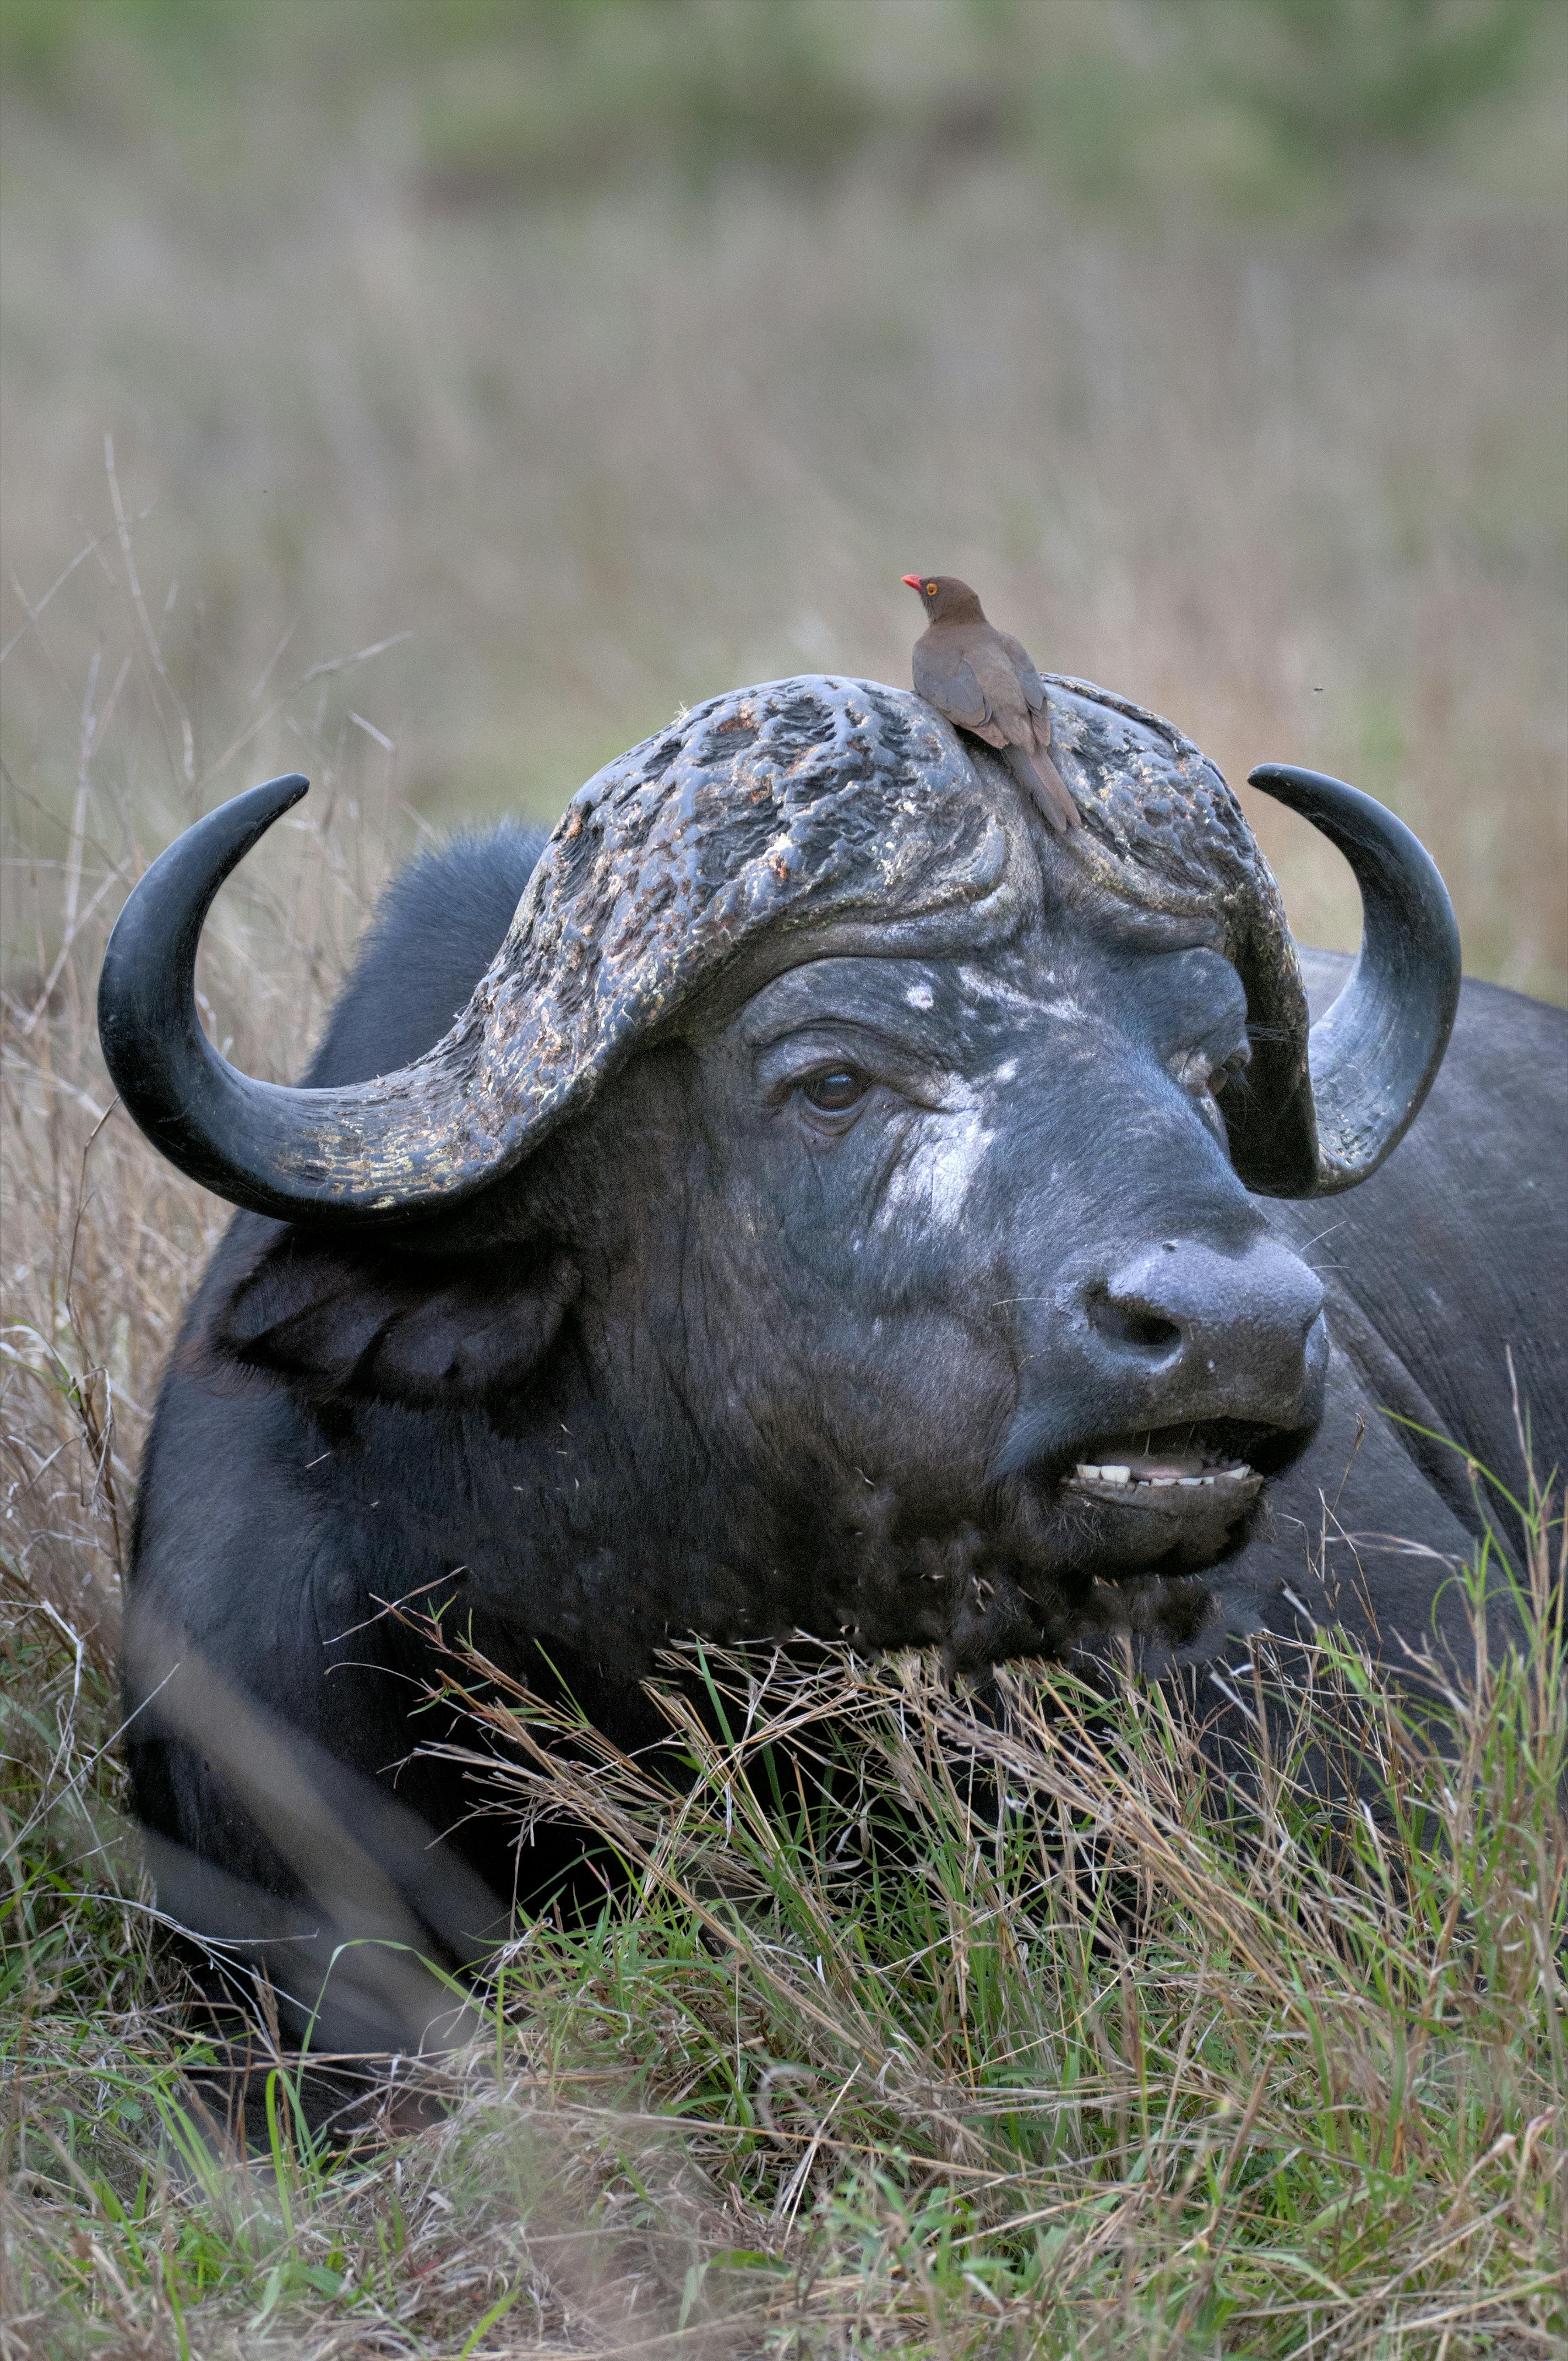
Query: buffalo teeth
<point>1086,1472</point>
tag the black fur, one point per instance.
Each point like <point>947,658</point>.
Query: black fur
<point>741,1367</point>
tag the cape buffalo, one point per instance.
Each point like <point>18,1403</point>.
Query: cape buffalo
<point>840,1205</point>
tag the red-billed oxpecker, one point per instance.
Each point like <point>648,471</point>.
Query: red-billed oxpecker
<point>983,679</point>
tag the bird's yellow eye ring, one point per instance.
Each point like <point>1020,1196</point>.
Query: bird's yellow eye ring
<point>930,589</point>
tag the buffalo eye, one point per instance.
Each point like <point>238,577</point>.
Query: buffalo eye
<point>1199,1073</point>
<point>837,1090</point>
<point>1232,1069</point>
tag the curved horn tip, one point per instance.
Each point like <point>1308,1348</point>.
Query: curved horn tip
<point>152,1043</point>
<point>348,1155</point>
<point>1374,1054</point>
<point>1383,851</point>
<point>273,796</point>
<point>1289,784</point>
<point>288,785</point>
<point>180,886</point>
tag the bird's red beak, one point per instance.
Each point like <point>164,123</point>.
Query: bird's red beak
<point>913,581</point>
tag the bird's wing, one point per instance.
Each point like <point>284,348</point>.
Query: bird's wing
<point>957,694</point>
<point>1024,664</point>
<point>1004,694</point>
<point>1032,686</point>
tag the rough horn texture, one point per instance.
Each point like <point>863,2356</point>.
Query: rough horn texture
<point>1164,832</point>
<point>836,809</point>
<point>834,806</point>
<point>853,811</point>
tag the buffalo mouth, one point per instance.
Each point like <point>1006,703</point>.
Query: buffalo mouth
<point>1171,1499</point>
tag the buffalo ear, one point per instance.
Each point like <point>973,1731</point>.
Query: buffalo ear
<point>347,1324</point>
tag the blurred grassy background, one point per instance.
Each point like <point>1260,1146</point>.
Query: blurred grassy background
<point>615,351</point>
<point>583,359</point>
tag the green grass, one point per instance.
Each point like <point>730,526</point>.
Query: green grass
<point>873,2063</point>
<point>1139,2063</point>
<point>1145,316</point>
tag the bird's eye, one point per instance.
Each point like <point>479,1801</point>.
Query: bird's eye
<point>837,1089</point>
<point>930,589</point>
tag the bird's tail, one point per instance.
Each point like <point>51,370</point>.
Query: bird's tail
<point>1039,775</point>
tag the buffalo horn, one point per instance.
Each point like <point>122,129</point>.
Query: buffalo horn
<point>351,1155</point>
<point>1372,1057</point>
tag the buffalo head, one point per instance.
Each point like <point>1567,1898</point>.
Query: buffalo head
<point>885,1165</point>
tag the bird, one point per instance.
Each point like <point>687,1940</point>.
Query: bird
<point>982,679</point>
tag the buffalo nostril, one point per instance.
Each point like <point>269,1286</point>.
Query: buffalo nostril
<point>1168,1311</point>
<point>1125,1323</point>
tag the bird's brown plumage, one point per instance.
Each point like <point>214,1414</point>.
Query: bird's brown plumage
<point>982,679</point>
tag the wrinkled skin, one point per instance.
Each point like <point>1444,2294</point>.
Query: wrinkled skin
<point>1444,1277</point>
<point>803,1326</point>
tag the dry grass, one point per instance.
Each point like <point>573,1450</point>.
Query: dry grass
<point>1293,476</point>
<point>1034,2038</point>
<point>1132,2061</point>
<point>1259,2083</point>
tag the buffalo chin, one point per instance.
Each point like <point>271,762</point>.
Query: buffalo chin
<point>1161,1534</point>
